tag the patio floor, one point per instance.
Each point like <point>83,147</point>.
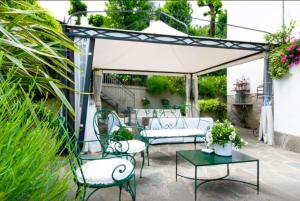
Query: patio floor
<point>279,176</point>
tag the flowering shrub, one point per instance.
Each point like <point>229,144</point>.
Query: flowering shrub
<point>285,51</point>
<point>222,133</point>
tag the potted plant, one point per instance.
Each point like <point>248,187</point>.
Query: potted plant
<point>120,134</point>
<point>223,136</point>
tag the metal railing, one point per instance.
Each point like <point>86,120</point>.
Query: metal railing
<point>122,95</point>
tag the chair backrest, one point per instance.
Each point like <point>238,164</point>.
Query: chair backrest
<point>103,123</point>
<point>72,146</point>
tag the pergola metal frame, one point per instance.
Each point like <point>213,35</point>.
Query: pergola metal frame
<point>94,33</point>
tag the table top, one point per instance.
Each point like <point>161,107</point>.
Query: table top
<point>199,158</point>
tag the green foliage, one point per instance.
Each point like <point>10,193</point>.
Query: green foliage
<point>30,163</point>
<point>77,6</point>
<point>221,133</point>
<point>161,84</point>
<point>96,20</point>
<point>146,102</point>
<point>215,8</point>
<point>128,20</point>
<point>285,51</point>
<point>181,10</point>
<point>213,106</point>
<point>30,43</point>
<point>122,134</point>
<point>165,103</point>
<point>157,84</point>
<point>198,30</point>
<point>213,87</point>
<point>221,27</point>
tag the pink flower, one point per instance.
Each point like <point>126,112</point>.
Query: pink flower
<point>293,46</point>
<point>283,59</point>
<point>297,62</point>
<point>298,49</point>
<point>288,49</point>
<point>291,55</point>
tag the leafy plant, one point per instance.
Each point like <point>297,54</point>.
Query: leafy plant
<point>213,106</point>
<point>31,44</point>
<point>122,134</point>
<point>223,132</point>
<point>31,167</point>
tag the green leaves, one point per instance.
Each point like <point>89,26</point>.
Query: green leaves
<point>32,42</point>
<point>31,166</point>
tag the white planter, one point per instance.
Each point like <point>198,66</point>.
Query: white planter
<point>225,150</point>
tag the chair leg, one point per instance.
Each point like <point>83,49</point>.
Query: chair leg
<point>148,154</point>
<point>120,193</point>
<point>84,192</point>
<point>143,162</point>
<point>77,191</point>
<point>131,191</point>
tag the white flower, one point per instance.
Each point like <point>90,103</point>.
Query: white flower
<point>115,128</point>
<point>232,135</point>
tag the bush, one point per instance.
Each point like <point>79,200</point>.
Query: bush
<point>213,87</point>
<point>157,84</point>
<point>30,165</point>
<point>96,20</point>
<point>213,106</point>
<point>161,84</point>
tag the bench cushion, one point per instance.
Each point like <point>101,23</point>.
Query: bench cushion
<point>164,133</point>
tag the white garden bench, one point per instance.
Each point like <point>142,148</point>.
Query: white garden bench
<point>176,130</point>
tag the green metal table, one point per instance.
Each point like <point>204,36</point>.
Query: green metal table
<point>198,158</point>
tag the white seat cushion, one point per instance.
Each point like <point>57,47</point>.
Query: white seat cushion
<point>135,146</point>
<point>100,171</point>
<point>171,133</point>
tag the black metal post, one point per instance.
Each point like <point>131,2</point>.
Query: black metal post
<point>87,85</point>
<point>196,183</point>
<point>257,177</point>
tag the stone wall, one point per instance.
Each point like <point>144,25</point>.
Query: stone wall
<point>140,93</point>
<point>245,115</point>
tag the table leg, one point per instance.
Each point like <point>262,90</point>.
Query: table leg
<point>257,177</point>
<point>195,140</point>
<point>196,183</point>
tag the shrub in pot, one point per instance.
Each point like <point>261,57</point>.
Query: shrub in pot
<point>223,136</point>
<point>122,134</point>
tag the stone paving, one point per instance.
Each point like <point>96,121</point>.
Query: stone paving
<point>279,176</point>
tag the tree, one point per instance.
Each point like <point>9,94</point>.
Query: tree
<point>221,27</point>
<point>77,6</point>
<point>180,10</point>
<point>135,20</point>
<point>215,8</point>
<point>96,20</point>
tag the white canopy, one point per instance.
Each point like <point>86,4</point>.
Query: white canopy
<point>153,57</point>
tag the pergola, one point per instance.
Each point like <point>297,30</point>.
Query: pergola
<point>143,52</point>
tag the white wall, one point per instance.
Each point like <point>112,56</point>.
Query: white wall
<point>251,70</point>
<point>287,103</point>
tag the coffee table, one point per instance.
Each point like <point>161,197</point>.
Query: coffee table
<point>198,158</point>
